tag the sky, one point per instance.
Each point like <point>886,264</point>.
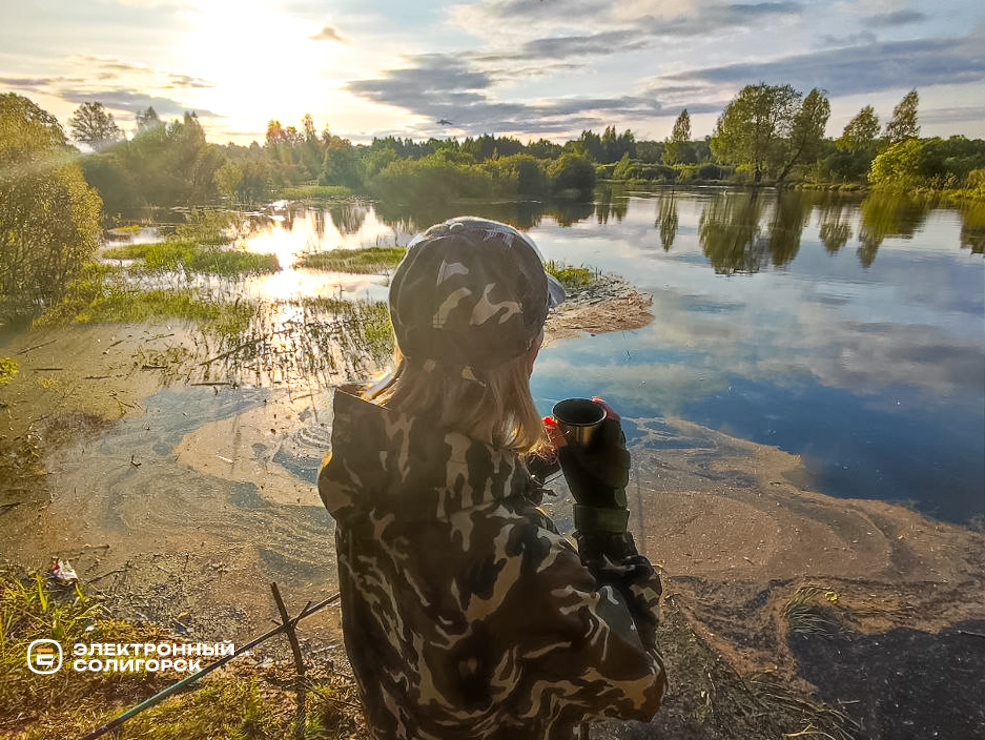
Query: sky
<point>525,68</point>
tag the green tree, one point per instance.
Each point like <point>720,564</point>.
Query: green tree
<point>861,133</point>
<point>754,125</point>
<point>904,122</point>
<point>92,124</point>
<point>898,166</point>
<point>148,120</point>
<point>342,164</point>
<point>572,177</point>
<point>623,169</point>
<point>676,146</point>
<point>227,179</point>
<point>49,216</point>
<point>806,132</point>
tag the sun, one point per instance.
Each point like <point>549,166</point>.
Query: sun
<point>262,62</point>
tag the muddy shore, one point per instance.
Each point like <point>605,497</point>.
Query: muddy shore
<point>182,496</point>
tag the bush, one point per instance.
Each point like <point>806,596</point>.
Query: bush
<point>572,177</point>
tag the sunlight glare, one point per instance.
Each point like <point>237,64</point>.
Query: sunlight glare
<point>262,61</point>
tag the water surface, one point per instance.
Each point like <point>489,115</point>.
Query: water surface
<point>850,334</point>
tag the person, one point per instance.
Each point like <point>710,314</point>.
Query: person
<point>465,614</point>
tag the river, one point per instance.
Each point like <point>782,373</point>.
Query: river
<point>847,333</point>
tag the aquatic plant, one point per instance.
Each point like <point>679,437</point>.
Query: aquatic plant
<point>572,278</point>
<point>130,305</point>
<point>8,369</point>
<point>809,612</point>
<point>210,227</point>
<point>315,192</point>
<point>189,256</point>
<point>371,260</point>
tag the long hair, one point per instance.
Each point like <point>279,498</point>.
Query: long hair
<point>497,408</point>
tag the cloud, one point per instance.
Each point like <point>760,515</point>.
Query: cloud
<point>649,22</point>
<point>859,69</point>
<point>26,83</point>
<point>550,11</point>
<point>108,68</point>
<point>896,18</point>
<point>856,39</point>
<point>563,47</point>
<point>444,86</point>
<point>133,101</point>
<point>188,82</point>
<point>718,17</point>
<point>950,115</point>
<point>327,33</point>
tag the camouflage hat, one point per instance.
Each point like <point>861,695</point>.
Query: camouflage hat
<point>470,293</point>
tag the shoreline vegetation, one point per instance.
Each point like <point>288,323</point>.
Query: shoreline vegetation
<point>56,201</point>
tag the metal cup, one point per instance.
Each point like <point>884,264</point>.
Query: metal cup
<point>578,419</point>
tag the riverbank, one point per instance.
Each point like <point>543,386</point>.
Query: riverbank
<point>786,611</point>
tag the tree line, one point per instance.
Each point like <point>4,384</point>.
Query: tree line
<point>53,197</point>
<point>768,134</point>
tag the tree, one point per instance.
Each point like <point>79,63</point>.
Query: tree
<point>308,126</point>
<point>904,122</point>
<point>623,169</point>
<point>148,120</point>
<point>49,217</point>
<point>753,126</point>
<point>898,167</point>
<point>806,131</point>
<point>675,148</point>
<point>572,177</point>
<point>91,124</point>
<point>861,132</point>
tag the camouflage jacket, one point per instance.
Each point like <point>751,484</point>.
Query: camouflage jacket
<point>465,614</point>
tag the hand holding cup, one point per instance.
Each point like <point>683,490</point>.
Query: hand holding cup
<point>579,420</point>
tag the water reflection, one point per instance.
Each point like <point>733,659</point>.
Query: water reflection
<point>607,207</point>
<point>730,232</point>
<point>667,218</point>
<point>348,217</point>
<point>869,368</point>
<point>885,215</point>
<point>835,229</point>
<point>973,227</point>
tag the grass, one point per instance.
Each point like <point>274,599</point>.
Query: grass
<point>210,227</point>
<point>709,698</point>
<point>199,246</point>
<point>102,296</point>
<point>125,306</point>
<point>573,279</point>
<point>241,700</point>
<point>809,612</point>
<point>130,251</point>
<point>183,254</point>
<point>365,261</point>
<point>315,192</point>
<point>359,328</point>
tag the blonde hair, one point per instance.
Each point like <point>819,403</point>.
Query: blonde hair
<point>497,409</point>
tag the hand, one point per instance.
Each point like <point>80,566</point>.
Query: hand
<point>597,476</point>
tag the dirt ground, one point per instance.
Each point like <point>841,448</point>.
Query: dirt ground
<point>788,613</point>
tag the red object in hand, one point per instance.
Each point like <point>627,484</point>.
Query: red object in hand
<point>554,432</point>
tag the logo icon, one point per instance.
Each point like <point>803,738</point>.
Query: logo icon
<point>44,656</point>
